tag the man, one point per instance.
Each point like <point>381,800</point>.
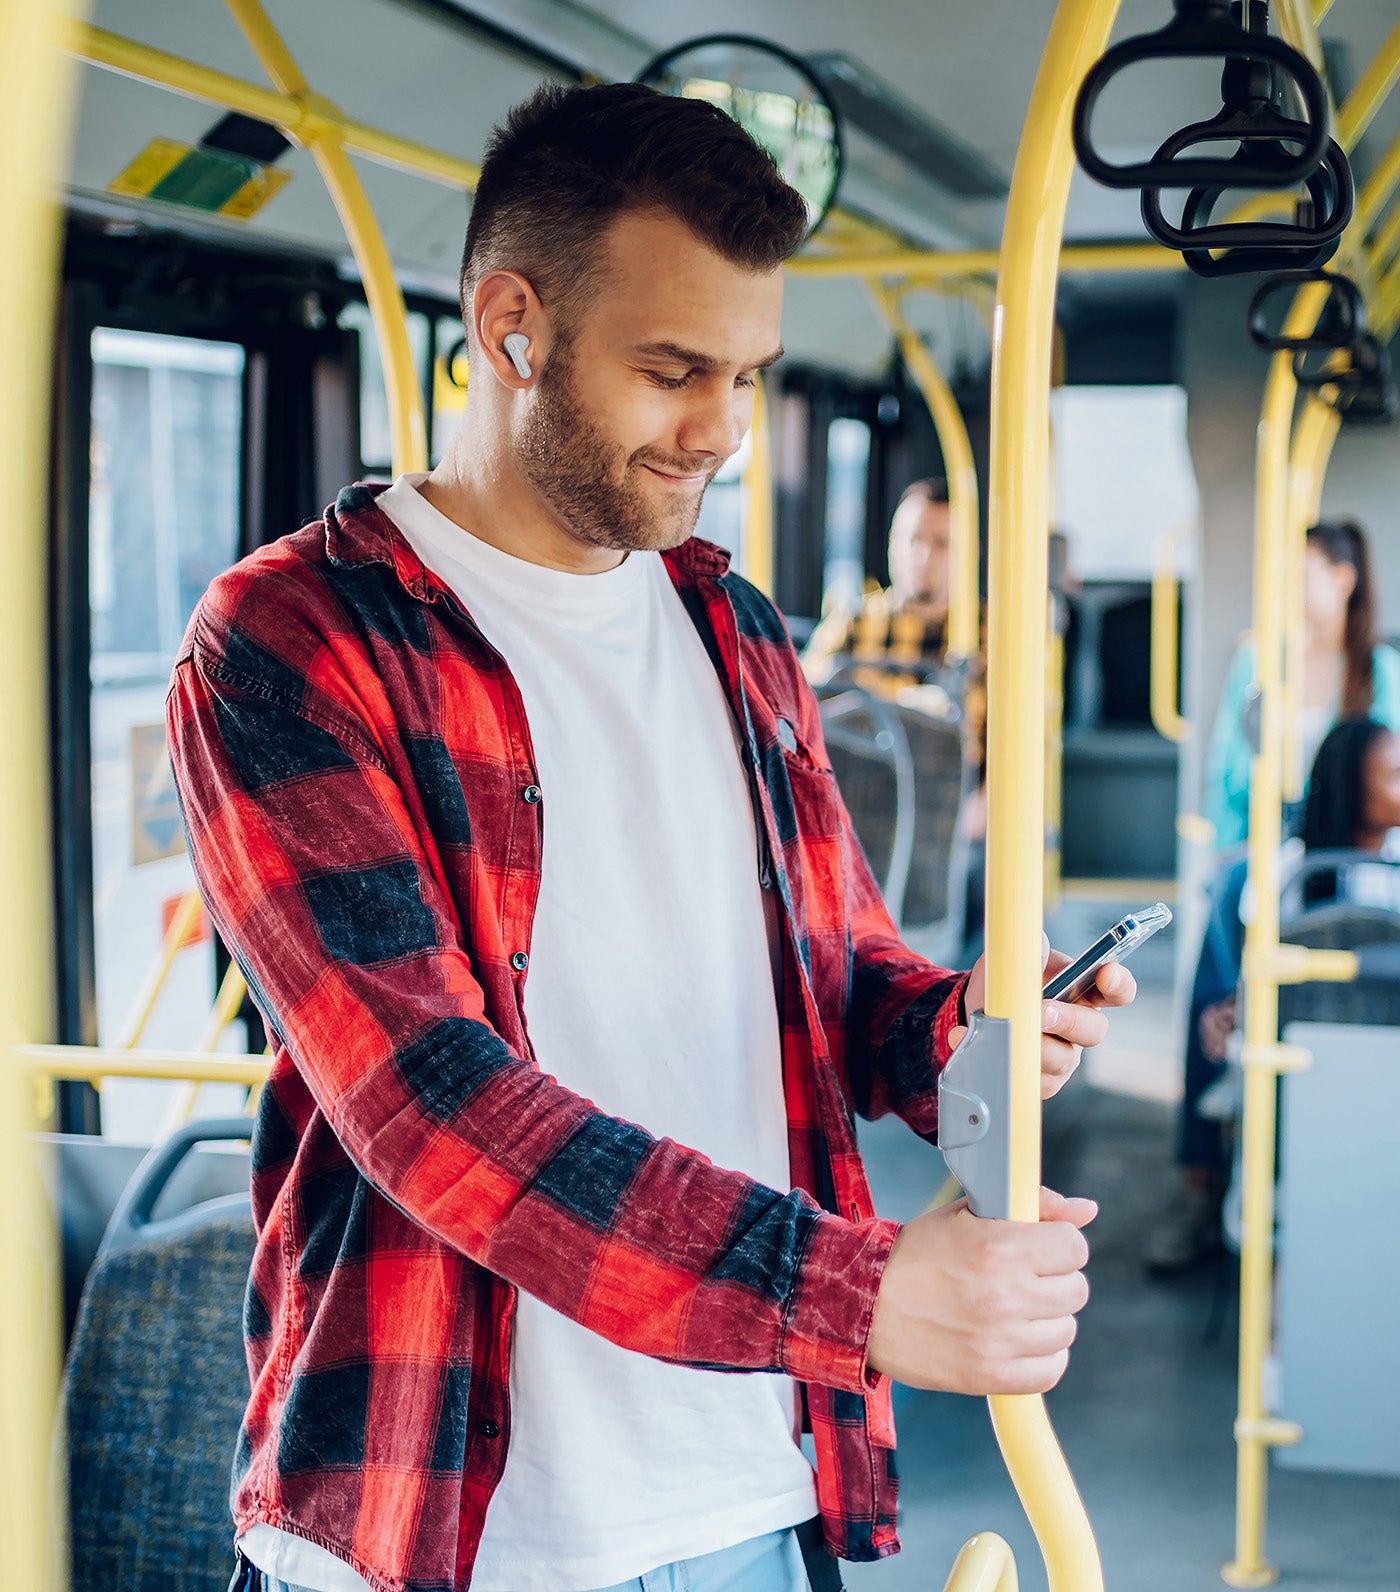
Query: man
<point>512,803</point>
<point>907,624</point>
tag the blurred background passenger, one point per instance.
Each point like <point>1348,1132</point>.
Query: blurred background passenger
<point>906,623</point>
<point>1348,672</point>
<point>1353,804</point>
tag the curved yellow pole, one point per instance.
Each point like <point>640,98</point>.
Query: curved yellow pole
<point>1313,437</point>
<point>757,546</point>
<point>386,307</point>
<point>964,551</point>
<point>986,1564</point>
<point>35,88</point>
<point>1019,527</point>
<point>1166,639</point>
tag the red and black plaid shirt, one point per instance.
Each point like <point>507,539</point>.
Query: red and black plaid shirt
<point>365,821</point>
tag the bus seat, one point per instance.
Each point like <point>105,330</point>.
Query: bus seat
<point>874,769</point>
<point>156,1383</point>
<point>934,898</point>
<point>1371,997</point>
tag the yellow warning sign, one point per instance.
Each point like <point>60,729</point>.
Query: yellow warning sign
<point>255,193</point>
<point>155,162</point>
<point>200,179</point>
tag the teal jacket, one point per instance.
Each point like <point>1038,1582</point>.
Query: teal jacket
<point>1227,769</point>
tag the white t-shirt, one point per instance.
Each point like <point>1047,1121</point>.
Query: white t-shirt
<point>650,993</point>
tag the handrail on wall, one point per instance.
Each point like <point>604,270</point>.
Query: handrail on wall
<point>1166,639</point>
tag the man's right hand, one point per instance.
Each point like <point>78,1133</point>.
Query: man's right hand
<point>969,1305</point>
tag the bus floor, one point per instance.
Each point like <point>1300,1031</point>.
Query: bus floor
<point>1146,1410</point>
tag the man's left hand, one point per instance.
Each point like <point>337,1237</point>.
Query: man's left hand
<point>1067,1026</point>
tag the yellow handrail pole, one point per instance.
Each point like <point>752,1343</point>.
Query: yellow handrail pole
<point>386,306</point>
<point>299,118</point>
<point>757,545</point>
<point>964,550</point>
<point>1386,239</point>
<point>225,1008</point>
<point>1166,640</point>
<point>985,1564</point>
<point>36,84</point>
<point>143,1004</point>
<point>1313,437</point>
<point>1018,554</point>
<point>1378,187</point>
<point>91,1064</point>
<point>1253,1433</point>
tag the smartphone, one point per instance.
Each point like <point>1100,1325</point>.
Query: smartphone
<point>1072,983</point>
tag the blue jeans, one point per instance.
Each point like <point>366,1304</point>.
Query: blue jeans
<point>772,1563</point>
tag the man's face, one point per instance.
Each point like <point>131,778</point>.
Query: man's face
<point>650,389</point>
<point>919,557</point>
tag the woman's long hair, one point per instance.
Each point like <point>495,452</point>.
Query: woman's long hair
<point>1344,542</point>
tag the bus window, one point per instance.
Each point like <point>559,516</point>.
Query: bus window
<point>847,479</point>
<point>167,421</point>
<point>449,382</point>
<point>376,449</point>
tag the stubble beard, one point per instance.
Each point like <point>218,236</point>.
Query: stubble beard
<point>591,484</point>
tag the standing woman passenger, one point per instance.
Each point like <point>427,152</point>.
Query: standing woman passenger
<point>1348,672</point>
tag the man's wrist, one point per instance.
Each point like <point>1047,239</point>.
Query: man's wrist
<point>827,1332</point>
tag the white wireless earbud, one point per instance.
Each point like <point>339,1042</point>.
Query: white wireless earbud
<point>515,345</point>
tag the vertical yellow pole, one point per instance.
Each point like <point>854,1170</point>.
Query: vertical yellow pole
<point>386,307</point>
<point>1166,641</point>
<point>964,550</point>
<point>1018,554</point>
<point>35,87</point>
<point>757,547</point>
<point>1313,438</point>
<point>1254,1431</point>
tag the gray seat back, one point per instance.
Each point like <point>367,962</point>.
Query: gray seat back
<point>1373,997</point>
<point>156,1385</point>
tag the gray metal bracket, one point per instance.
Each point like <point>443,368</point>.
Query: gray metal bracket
<point>974,1115</point>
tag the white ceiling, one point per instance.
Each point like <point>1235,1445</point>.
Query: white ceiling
<point>399,64</point>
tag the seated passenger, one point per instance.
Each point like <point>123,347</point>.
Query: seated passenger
<point>1353,804</point>
<point>1348,672</point>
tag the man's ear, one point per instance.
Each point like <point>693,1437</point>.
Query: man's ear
<point>504,306</point>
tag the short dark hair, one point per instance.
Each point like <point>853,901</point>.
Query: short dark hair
<point>568,161</point>
<point>930,489</point>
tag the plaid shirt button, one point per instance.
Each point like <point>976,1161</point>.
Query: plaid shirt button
<point>532,794</point>
<point>488,1428</point>
<point>520,961</point>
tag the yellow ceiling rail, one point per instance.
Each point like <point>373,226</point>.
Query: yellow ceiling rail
<point>1166,639</point>
<point>1249,1568</point>
<point>298,118</point>
<point>922,265</point>
<point>757,547</point>
<point>1019,527</point>
<point>36,86</point>
<point>1369,92</point>
<point>964,516</point>
<point>386,307</point>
